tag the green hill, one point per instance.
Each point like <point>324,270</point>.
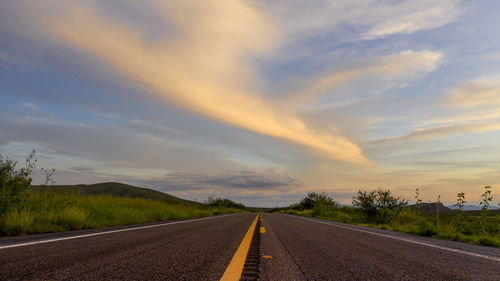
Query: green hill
<point>119,190</point>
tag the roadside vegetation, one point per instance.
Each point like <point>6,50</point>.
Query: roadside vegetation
<point>25,209</point>
<point>381,209</point>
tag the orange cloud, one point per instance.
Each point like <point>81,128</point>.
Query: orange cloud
<point>483,91</point>
<point>202,68</point>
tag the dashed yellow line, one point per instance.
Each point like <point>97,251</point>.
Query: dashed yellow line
<point>262,229</point>
<point>235,267</point>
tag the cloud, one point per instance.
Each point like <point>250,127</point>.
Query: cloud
<point>479,92</point>
<point>256,179</point>
<point>411,16</point>
<point>387,70</point>
<point>117,147</point>
<point>367,18</point>
<point>202,66</point>
<point>82,169</point>
<point>201,62</point>
<point>442,131</point>
<point>474,107</point>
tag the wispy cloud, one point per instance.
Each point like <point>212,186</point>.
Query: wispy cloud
<point>366,18</point>
<point>386,72</point>
<point>475,109</point>
<point>442,131</point>
<point>482,91</point>
<point>412,16</point>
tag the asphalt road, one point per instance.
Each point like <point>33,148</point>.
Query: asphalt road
<point>308,249</point>
<point>192,250</point>
<point>291,248</point>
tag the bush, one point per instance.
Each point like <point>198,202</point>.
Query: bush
<point>378,204</point>
<point>14,183</point>
<point>320,203</point>
<point>378,208</point>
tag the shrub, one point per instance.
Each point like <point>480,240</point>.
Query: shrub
<point>320,203</point>
<point>378,204</point>
<point>14,183</point>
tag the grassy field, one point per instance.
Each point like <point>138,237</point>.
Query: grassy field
<point>49,211</point>
<point>424,225</point>
<point>475,227</point>
<point>26,209</point>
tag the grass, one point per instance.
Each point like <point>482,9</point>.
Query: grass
<point>51,211</point>
<point>409,221</point>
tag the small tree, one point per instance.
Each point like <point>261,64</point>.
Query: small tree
<point>308,202</point>
<point>486,198</point>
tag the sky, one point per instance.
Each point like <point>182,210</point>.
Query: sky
<point>257,101</point>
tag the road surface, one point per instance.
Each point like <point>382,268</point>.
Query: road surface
<point>283,247</point>
<point>309,249</point>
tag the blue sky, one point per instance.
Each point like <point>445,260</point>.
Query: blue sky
<point>256,101</point>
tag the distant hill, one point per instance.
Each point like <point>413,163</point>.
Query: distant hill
<point>472,207</point>
<point>119,189</point>
<point>432,208</point>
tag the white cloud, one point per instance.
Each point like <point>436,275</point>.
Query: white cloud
<point>383,72</point>
<point>411,16</point>
<point>370,19</point>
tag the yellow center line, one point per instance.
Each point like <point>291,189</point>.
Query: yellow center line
<point>262,229</point>
<point>235,267</point>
